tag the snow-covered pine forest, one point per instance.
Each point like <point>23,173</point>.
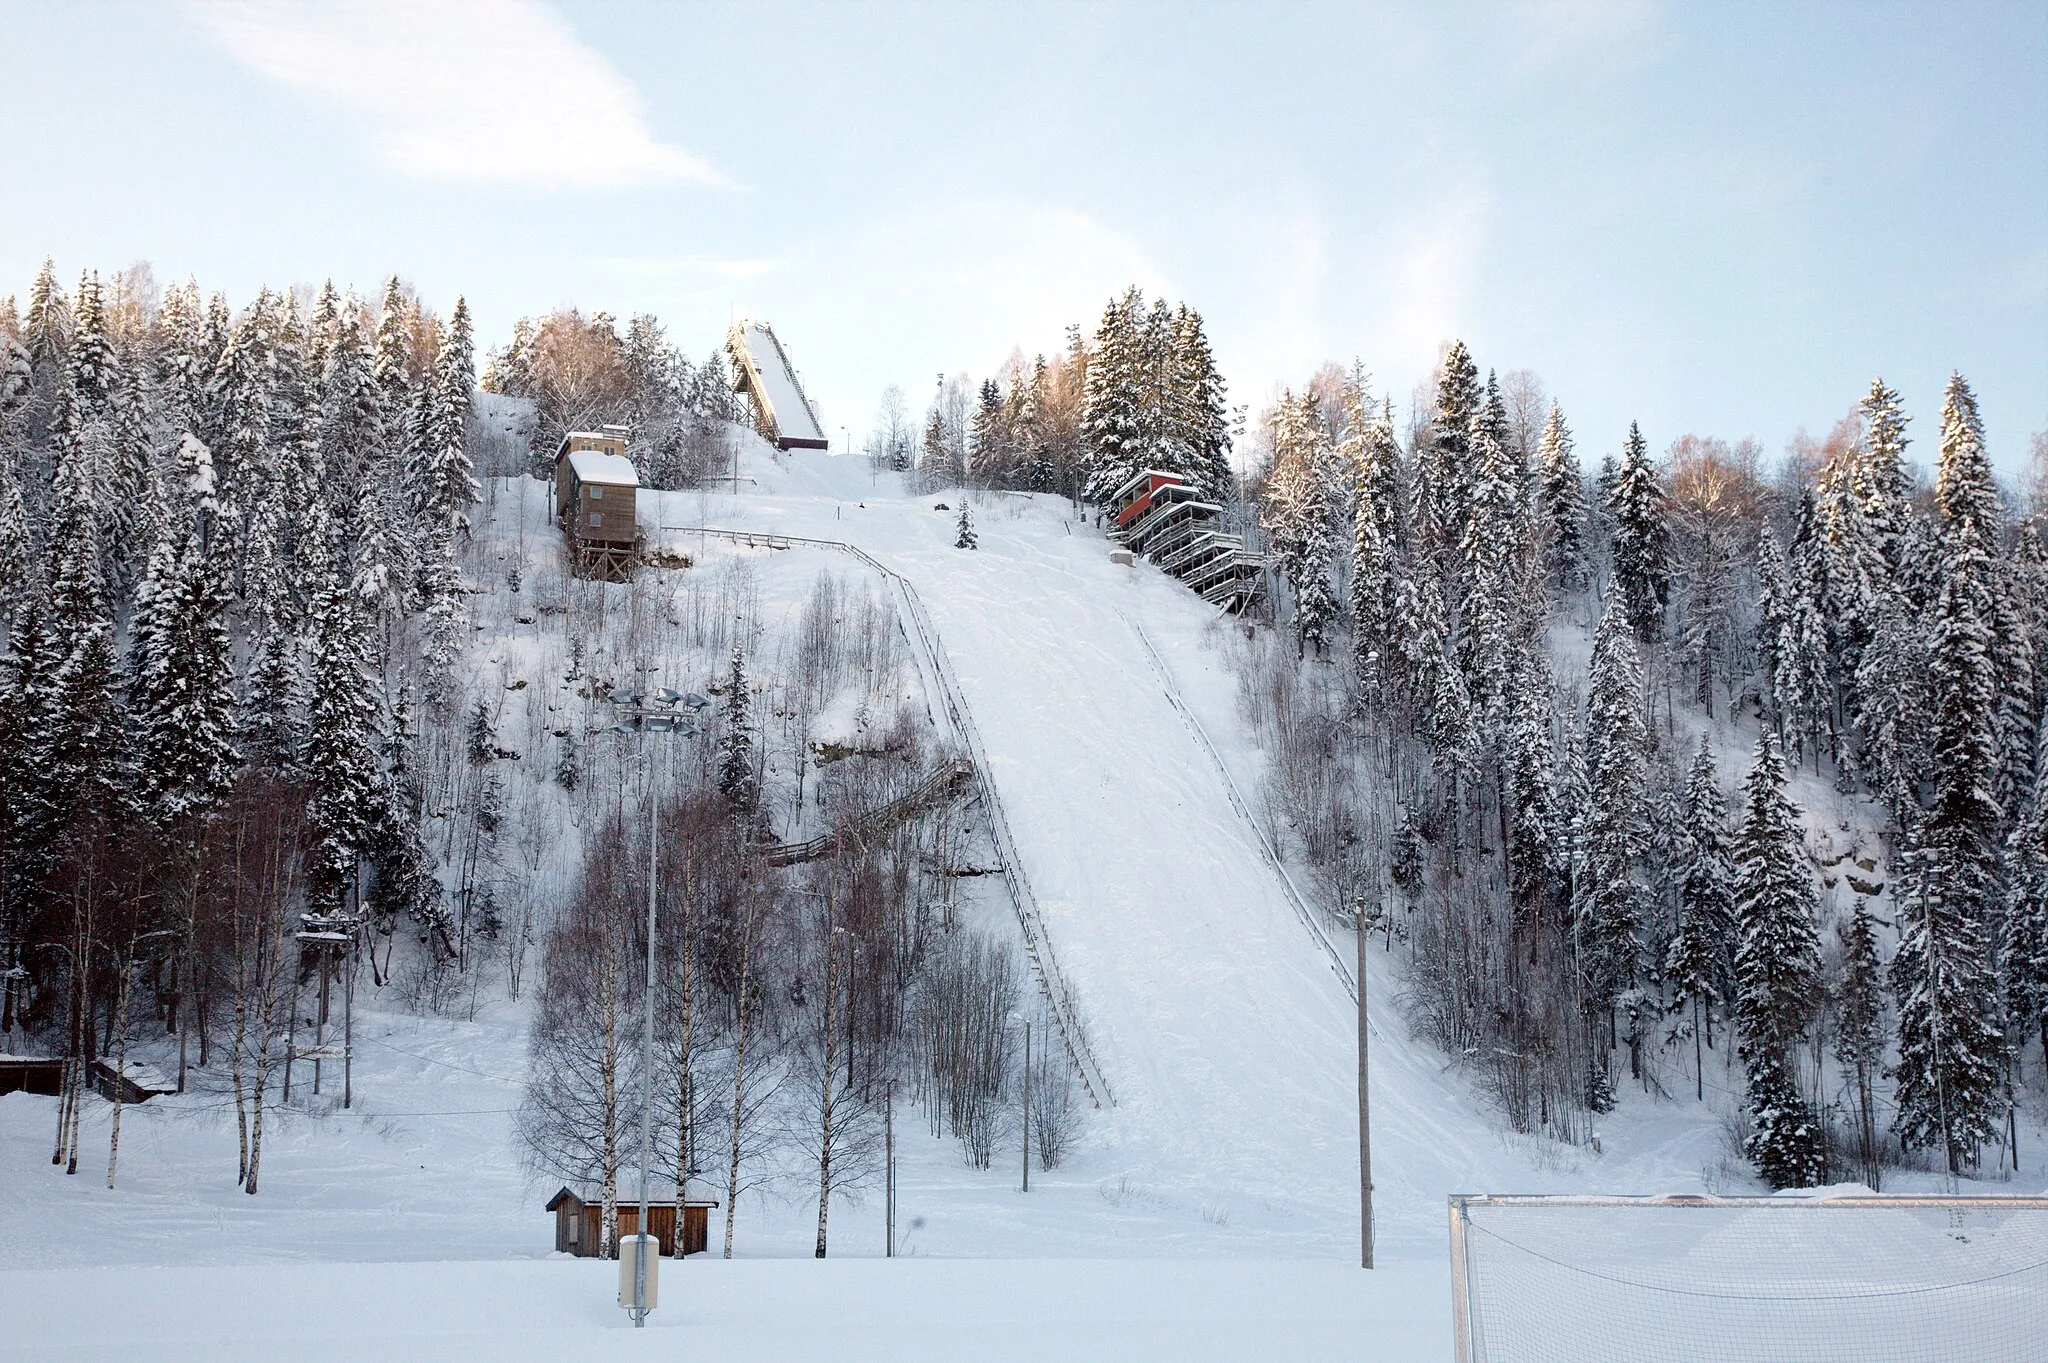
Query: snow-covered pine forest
<point>1673,769</point>
<point>1701,772</point>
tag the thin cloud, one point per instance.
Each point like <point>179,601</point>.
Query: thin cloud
<point>493,91</point>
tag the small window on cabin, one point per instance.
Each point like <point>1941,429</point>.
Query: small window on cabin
<point>596,519</point>
<point>596,493</point>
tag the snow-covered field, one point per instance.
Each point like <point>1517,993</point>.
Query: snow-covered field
<point>1210,1212</point>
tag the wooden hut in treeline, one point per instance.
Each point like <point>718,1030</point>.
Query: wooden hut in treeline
<point>596,502</point>
<point>579,1209</point>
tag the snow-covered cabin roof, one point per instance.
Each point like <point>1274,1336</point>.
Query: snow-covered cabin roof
<point>595,466</point>
<point>628,1194</point>
<point>1130,484</point>
<point>144,1076</point>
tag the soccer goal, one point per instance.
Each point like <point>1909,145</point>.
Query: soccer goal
<point>1863,1279</point>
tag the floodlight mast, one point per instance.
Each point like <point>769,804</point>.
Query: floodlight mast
<point>637,716</point>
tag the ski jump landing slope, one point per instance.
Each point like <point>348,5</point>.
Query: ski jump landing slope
<point>1216,1015</point>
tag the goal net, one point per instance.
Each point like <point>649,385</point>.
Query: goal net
<point>1863,1279</point>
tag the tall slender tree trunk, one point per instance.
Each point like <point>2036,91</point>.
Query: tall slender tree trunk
<point>739,1077</point>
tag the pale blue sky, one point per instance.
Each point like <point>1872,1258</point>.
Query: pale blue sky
<point>1721,219</point>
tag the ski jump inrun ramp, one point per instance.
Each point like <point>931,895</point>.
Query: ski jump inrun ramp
<point>761,369</point>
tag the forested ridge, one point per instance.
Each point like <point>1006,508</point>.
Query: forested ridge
<point>1680,767</point>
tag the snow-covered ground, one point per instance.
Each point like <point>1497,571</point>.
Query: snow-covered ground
<point>1222,1182</point>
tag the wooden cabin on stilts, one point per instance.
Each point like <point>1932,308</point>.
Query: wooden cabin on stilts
<point>596,492</point>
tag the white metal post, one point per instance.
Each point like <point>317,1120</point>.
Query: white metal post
<point>889,1159</point>
<point>647,1063</point>
<point>1364,1113</point>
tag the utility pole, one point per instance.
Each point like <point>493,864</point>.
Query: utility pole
<point>641,714</point>
<point>640,1255</point>
<point>1027,1105</point>
<point>1364,1115</point>
<point>889,1172</point>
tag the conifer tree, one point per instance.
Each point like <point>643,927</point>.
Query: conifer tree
<point>1301,512</point>
<point>1564,508</point>
<point>965,538</point>
<point>1197,410</point>
<point>1443,462</point>
<point>1881,472</point>
<point>185,690</point>
<point>392,352</point>
<point>352,412</point>
<point>1965,489</point>
<point>1890,713</point>
<point>1375,561</point>
<point>988,450</point>
<point>339,759</point>
<point>1490,553</point>
<point>1948,1042</point>
<point>1642,553</point>
<point>1699,964</point>
<point>2023,947</point>
<point>181,368</point>
<point>1801,689</point>
<point>241,395</point>
<point>1617,836</point>
<point>737,781</point>
<point>1114,425</point>
<point>1777,971</point>
<point>1860,1031</point>
<point>46,328</point>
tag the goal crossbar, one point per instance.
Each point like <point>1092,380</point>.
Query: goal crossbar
<point>1865,1278</point>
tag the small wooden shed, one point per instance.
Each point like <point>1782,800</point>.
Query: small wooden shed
<point>579,1209</point>
<point>133,1083</point>
<point>31,1074</point>
<point>596,496</point>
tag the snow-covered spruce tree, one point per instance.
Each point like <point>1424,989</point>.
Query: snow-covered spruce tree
<point>239,401</point>
<point>352,412</point>
<point>1949,1043</point>
<point>965,538</point>
<point>1562,487</point>
<point>1777,975</point>
<point>1199,418</point>
<point>1801,682</point>
<point>1699,964</point>
<point>1491,553</point>
<point>2023,946</point>
<point>1890,714</point>
<point>1773,609</point>
<point>184,690</point>
<point>339,759</point>
<point>1641,539</point>
<point>1302,498</point>
<point>936,457</point>
<point>392,358</point>
<point>1881,476</point>
<point>1609,936</point>
<point>46,328</point>
<point>1114,426</point>
<point>2015,709</point>
<point>987,449</point>
<point>1375,557</point>
<point>1538,850</point>
<point>1965,489</point>
<point>1860,1032</point>
<point>1443,467</point>
<point>737,779</point>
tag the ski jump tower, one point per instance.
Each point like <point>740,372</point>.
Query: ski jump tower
<point>761,369</point>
